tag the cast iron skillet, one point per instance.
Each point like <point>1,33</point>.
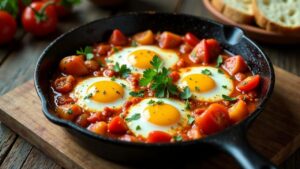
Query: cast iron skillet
<point>232,140</point>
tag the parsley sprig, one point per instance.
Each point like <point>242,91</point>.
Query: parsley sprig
<point>87,52</point>
<point>228,98</point>
<point>158,78</point>
<point>186,95</point>
<point>123,70</point>
<point>137,93</point>
<point>133,117</point>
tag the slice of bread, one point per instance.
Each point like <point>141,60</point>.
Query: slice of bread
<point>278,15</point>
<point>239,11</point>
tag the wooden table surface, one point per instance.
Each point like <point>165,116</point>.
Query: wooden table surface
<point>17,63</point>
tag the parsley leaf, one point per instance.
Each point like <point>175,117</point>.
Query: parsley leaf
<point>224,86</point>
<point>219,61</point>
<point>70,111</point>
<point>152,102</point>
<point>133,43</point>
<point>11,6</point>
<point>220,71</point>
<point>206,72</point>
<point>138,93</point>
<point>123,70</point>
<point>177,138</point>
<point>186,94</point>
<point>191,119</point>
<point>138,127</point>
<point>69,3</point>
<point>227,98</point>
<point>148,76</point>
<point>133,117</point>
<point>187,105</point>
<point>87,51</point>
<point>156,62</point>
<point>88,96</point>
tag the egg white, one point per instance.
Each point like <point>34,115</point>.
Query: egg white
<point>146,127</point>
<point>81,91</point>
<point>169,57</point>
<point>213,95</point>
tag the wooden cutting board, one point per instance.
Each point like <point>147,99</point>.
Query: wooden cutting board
<point>275,134</point>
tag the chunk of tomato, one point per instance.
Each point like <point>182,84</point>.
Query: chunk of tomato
<point>213,119</point>
<point>191,39</point>
<point>234,65</point>
<point>117,126</point>
<point>249,83</point>
<point>169,40</point>
<point>158,137</point>
<point>200,53</point>
<point>238,111</point>
<point>117,38</point>
<point>68,111</point>
<point>144,38</point>
<point>214,48</point>
<point>73,65</point>
<point>64,84</point>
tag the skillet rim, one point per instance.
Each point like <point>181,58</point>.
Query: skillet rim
<point>207,140</point>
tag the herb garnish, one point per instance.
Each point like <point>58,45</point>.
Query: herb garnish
<point>219,61</point>
<point>134,43</point>
<point>177,138</point>
<point>225,97</point>
<point>123,70</point>
<point>220,71</point>
<point>158,78</point>
<point>224,86</point>
<point>133,117</point>
<point>186,94</point>
<point>138,93</point>
<point>138,127</point>
<point>191,119</point>
<point>88,96</point>
<point>206,72</point>
<point>70,111</point>
<point>87,51</point>
<point>152,102</point>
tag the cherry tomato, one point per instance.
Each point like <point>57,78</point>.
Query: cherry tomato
<point>200,53</point>
<point>175,76</point>
<point>169,40</point>
<point>117,38</point>
<point>234,65</point>
<point>117,126</point>
<point>82,120</point>
<point>94,117</point>
<point>238,111</point>
<point>64,84</point>
<point>102,49</point>
<point>73,65</point>
<point>68,111</point>
<point>144,38</point>
<point>249,83</point>
<point>8,27</point>
<point>191,39</point>
<point>91,65</point>
<point>98,127</point>
<point>158,137</point>
<point>39,18</point>
<point>213,119</point>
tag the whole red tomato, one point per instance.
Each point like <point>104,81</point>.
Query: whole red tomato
<point>40,18</point>
<point>8,27</point>
<point>64,7</point>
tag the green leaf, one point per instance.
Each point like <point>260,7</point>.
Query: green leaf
<point>186,94</point>
<point>191,119</point>
<point>178,138</point>
<point>69,3</point>
<point>88,96</point>
<point>148,75</point>
<point>206,72</point>
<point>138,93</point>
<point>220,71</point>
<point>138,127</point>
<point>219,61</point>
<point>122,70</point>
<point>89,56</point>
<point>187,105</point>
<point>152,102</point>
<point>227,98</point>
<point>133,117</point>
<point>156,62</point>
<point>10,6</point>
<point>87,52</point>
<point>224,86</point>
<point>70,111</point>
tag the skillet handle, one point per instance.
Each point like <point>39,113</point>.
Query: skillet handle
<point>236,144</point>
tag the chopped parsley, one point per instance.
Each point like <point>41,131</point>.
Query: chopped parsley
<point>224,86</point>
<point>87,52</point>
<point>206,72</point>
<point>88,96</point>
<point>219,61</point>
<point>134,43</point>
<point>70,111</point>
<point>197,88</point>
<point>187,105</point>
<point>123,85</point>
<point>138,93</point>
<point>177,138</point>
<point>191,119</point>
<point>220,71</point>
<point>186,94</point>
<point>138,127</point>
<point>158,78</point>
<point>227,98</point>
<point>115,49</point>
<point>133,117</point>
<point>113,78</point>
<point>152,102</point>
<point>123,70</point>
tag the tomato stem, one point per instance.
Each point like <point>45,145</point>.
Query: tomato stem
<point>41,14</point>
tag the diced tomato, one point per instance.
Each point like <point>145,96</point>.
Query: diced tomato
<point>68,111</point>
<point>117,38</point>
<point>73,65</point>
<point>91,65</point>
<point>214,48</point>
<point>82,120</point>
<point>61,100</point>
<point>102,49</point>
<point>158,137</point>
<point>238,111</point>
<point>144,38</point>
<point>98,128</point>
<point>234,65</point>
<point>94,117</point>
<point>249,83</point>
<point>240,76</point>
<point>175,76</point>
<point>129,138</point>
<point>191,39</point>
<point>194,132</point>
<point>213,119</point>
<point>107,112</point>
<point>198,111</point>
<point>64,84</point>
<point>117,126</point>
<point>185,48</point>
<point>109,73</point>
<point>169,40</point>
<point>134,80</point>
<point>200,53</point>
<point>181,63</point>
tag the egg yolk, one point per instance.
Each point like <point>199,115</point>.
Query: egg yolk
<point>105,91</point>
<point>141,58</point>
<point>162,114</point>
<point>199,83</point>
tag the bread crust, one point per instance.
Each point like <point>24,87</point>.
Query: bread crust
<point>269,25</point>
<point>232,13</point>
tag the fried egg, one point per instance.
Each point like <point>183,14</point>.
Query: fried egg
<point>153,114</point>
<point>205,83</point>
<point>96,93</point>
<point>138,58</point>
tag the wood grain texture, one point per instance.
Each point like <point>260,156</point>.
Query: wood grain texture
<point>8,137</point>
<point>24,116</point>
<point>37,160</point>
